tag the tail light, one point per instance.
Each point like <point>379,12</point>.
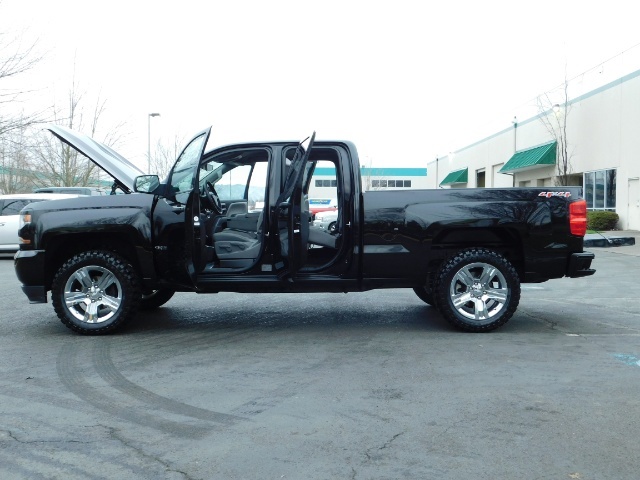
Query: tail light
<point>578,218</point>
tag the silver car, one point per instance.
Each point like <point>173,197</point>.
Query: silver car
<point>10,206</point>
<point>327,221</point>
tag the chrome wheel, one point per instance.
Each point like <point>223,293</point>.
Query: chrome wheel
<point>93,294</point>
<point>479,292</point>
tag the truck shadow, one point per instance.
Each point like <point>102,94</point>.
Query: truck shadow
<point>415,318</point>
<point>418,318</point>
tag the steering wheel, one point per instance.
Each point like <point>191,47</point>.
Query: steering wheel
<point>212,198</point>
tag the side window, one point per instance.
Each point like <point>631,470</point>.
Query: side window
<point>238,176</point>
<point>13,207</point>
<point>232,184</point>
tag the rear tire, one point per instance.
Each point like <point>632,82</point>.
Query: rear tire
<point>477,290</point>
<point>95,292</point>
<point>155,298</point>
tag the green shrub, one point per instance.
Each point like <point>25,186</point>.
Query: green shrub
<point>600,220</point>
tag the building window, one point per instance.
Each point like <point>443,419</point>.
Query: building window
<point>600,189</point>
<point>480,175</point>
<point>327,183</point>
<point>390,183</point>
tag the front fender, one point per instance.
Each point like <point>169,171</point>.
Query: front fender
<point>129,222</point>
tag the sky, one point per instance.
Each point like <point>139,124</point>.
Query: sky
<point>405,80</point>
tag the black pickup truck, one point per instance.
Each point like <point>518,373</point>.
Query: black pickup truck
<point>237,219</point>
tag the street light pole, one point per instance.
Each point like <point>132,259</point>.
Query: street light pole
<point>149,140</point>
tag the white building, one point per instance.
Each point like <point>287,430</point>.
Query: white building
<point>323,185</point>
<point>603,143</point>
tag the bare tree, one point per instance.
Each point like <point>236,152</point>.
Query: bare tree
<point>15,174</point>
<point>165,155</point>
<point>368,172</point>
<point>59,164</point>
<point>15,59</point>
<point>554,108</point>
<point>378,183</point>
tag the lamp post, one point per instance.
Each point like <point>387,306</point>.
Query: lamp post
<point>149,140</point>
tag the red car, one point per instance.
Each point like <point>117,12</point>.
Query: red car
<point>317,205</point>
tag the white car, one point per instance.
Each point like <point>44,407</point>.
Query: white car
<point>10,206</point>
<point>326,221</point>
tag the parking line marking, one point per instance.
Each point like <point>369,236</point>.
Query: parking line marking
<point>630,360</point>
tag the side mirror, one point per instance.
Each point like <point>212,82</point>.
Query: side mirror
<point>146,183</point>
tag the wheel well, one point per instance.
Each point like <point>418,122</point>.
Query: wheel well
<point>62,247</point>
<point>505,241</point>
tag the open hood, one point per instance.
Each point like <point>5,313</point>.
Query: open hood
<point>122,170</point>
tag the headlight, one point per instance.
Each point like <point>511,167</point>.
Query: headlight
<point>24,231</point>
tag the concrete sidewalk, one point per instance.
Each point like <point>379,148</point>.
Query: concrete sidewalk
<point>624,239</point>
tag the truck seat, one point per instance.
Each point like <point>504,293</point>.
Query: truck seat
<point>237,247</point>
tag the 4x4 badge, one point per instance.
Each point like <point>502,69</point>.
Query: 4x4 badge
<point>555,194</point>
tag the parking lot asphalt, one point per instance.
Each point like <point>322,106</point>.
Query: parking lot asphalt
<point>321,386</point>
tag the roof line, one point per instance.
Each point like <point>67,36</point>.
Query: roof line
<point>579,98</point>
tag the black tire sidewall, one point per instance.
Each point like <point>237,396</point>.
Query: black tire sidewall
<point>422,294</point>
<point>446,276</point>
<point>156,299</point>
<point>120,268</point>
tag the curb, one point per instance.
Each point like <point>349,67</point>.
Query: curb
<point>594,240</point>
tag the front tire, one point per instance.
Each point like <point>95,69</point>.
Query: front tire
<point>426,297</point>
<point>477,290</point>
<point>155,298</point>
<point>95,292</point>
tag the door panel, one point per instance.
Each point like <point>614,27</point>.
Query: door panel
<point>290,214</point>
<point>176,232</point>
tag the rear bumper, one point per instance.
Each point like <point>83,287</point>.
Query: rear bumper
<point>29,266</point>
<point>580,265</point>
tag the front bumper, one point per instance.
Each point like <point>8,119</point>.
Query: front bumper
<point>29,266</point>
<point>580,265</point>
